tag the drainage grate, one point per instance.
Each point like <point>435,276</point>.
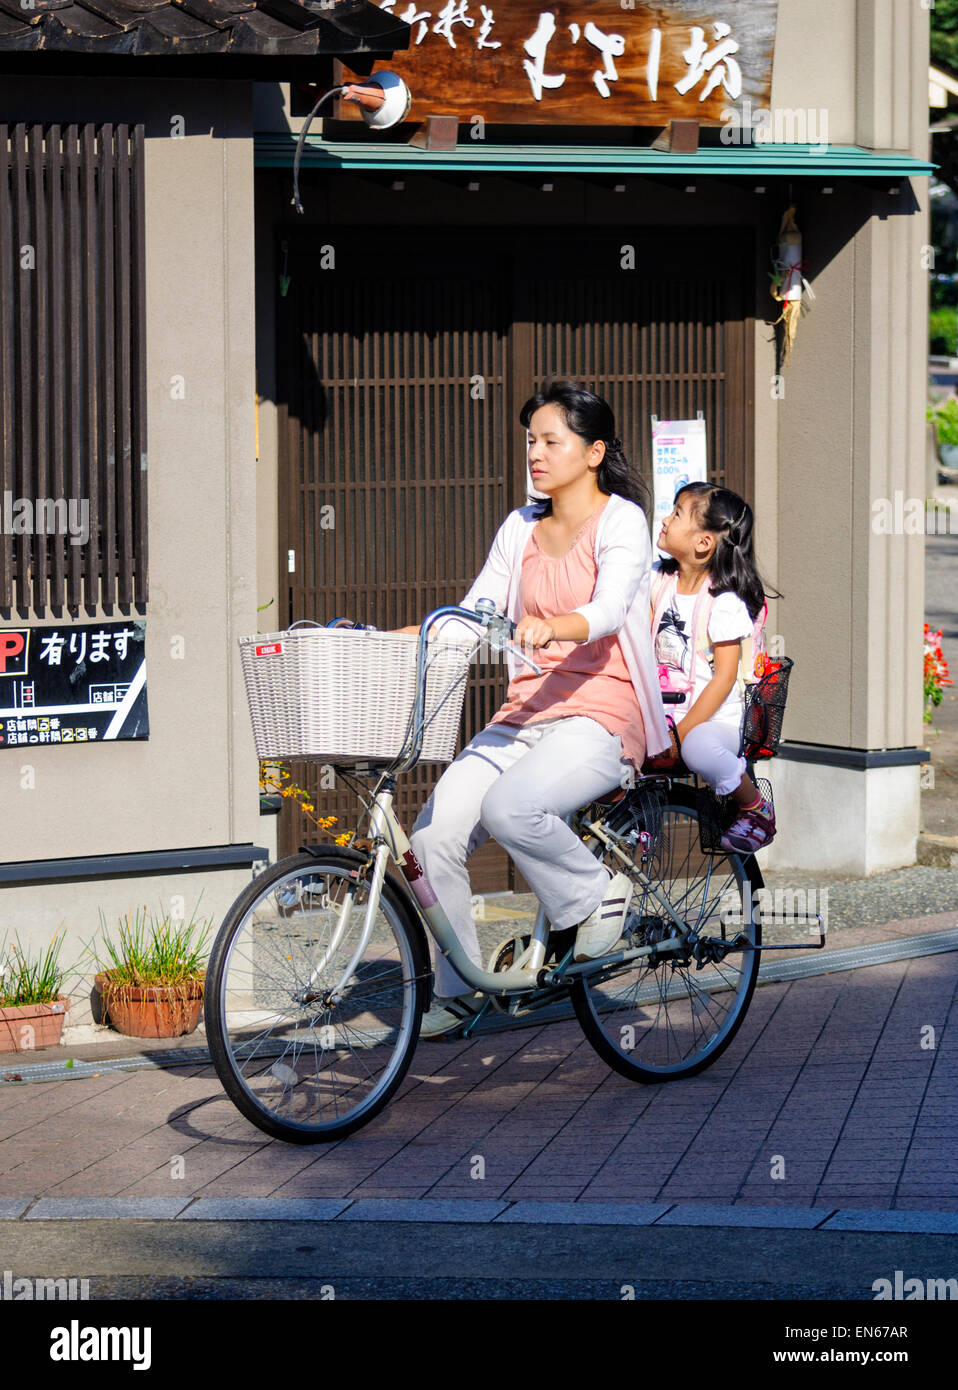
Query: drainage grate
<point>854,957</point>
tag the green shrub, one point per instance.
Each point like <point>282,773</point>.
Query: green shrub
<point>943,332</point>
<point>945,417</point>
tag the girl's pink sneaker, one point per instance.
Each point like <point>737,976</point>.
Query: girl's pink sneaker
<point>751,830</point>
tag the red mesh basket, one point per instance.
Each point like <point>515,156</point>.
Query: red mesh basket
<point>764,712</point>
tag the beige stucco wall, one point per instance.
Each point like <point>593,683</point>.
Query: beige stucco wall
<point>193,783</point>
<point>848,430</point>
<point>849,438</point>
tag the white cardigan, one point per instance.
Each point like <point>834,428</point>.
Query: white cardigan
<point>619,603</point>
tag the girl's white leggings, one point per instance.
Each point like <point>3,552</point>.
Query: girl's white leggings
<point>516,785</point>
<point>711,750</point>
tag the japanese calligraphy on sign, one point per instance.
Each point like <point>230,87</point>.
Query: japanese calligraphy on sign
<point>584,62</point>
<point>74,684</point>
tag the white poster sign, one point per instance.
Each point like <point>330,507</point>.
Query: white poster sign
<point>678,457</point>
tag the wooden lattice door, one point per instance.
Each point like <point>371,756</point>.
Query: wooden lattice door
<point>400,389</point>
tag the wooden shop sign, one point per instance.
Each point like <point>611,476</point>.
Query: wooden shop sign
<point>583,62</point>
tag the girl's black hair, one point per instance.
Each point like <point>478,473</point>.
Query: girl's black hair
<point>591,418</point>
<point>732,567</point>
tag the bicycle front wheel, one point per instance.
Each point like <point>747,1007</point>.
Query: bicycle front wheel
<point>310,1036</point>
<point>669,1015</point>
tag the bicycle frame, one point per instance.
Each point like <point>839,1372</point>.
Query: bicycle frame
<point>390,840</point>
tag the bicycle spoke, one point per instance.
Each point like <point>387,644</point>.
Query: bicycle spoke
<point>667,1014</point>
<point>298,1059</point>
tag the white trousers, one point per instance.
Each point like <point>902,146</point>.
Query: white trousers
<point>515,785</point>
<point>711,750</point>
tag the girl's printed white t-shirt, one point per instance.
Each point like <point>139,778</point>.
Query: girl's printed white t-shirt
<point>729,621</point>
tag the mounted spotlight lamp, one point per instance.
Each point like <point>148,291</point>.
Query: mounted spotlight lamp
<point>383,101</point>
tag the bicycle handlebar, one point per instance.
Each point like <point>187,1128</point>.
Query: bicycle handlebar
<point>497,628</point>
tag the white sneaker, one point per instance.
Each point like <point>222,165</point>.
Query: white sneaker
<point>603,927</point>
<point>448,1015</point>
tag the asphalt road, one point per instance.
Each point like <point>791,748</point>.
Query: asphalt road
<point>394,1260</point>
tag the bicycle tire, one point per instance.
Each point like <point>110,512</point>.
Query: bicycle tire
<point>264,1035</point>
<point>614,1016</point>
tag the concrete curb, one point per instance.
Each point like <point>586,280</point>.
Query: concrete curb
<point>426,1211</point>
<point>937,851</point>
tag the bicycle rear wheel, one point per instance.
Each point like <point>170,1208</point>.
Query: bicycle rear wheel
<point>659,1018</point>
<point>300,1063</point>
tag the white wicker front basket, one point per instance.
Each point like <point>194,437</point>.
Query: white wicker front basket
<point>341,696</point>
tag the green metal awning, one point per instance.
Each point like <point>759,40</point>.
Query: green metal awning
<point>748,161</point>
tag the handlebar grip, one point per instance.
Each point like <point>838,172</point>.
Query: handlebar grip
<point>673,697</point>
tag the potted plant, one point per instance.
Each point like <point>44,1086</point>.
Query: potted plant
<point>945,416</point>
<point>151,978</point>
<point>32,1007</point>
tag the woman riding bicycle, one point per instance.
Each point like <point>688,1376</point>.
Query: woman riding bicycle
<point>573,572</point>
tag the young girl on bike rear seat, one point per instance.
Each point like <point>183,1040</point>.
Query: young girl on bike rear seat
<point>708,538</point>
<point>573,572</point>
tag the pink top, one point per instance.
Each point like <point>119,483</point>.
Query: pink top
<point>577,678</point>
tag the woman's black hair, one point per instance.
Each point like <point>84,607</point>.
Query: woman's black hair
<point>732,568</point>
<point>591,418</point>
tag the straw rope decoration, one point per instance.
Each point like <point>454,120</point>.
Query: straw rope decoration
<point>788,279</point>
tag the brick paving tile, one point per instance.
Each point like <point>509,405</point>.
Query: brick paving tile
<point>542,1192</point>
<point>840,1193</point>
<point>145,1153</point>
<point>860,1177</point>
<point>17,1096</point>
<point>800,1197</point>
<point>301,1187</point>
<point>336,1169</point>
<point>929,1170</point>
<point>262,1173</point>
<point>552,1122</point>
<point>872,1147</point>
<point>941,1203</point>
<point>96,1129</point>
<point>35,1110</point>
<point>810,1139</point>
<point>936,1150</point>
<point>382,1192</point>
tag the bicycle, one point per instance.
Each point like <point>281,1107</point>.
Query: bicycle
<point>320,973</point>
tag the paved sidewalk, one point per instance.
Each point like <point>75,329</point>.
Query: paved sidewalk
<point>839,1092</point>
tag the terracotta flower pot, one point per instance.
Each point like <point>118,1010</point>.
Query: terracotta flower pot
<point>25,1027</point>
<point>152,1011</point>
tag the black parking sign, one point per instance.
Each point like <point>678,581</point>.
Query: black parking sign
<point>75,684</point>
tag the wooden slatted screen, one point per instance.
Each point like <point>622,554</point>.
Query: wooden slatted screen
<point>73,364</point>
<point>397,468</point>
<point>379,375</point>
<point>668,338</point>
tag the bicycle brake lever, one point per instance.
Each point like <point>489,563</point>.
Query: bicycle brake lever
<point>517,651</point>
<point>495,627</point>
